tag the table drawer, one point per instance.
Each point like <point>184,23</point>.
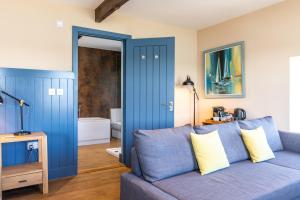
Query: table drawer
<point>22,180</point>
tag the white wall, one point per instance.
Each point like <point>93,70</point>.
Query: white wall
<point>271,36</point>
<point>30,39</point>
<point>294,94</point>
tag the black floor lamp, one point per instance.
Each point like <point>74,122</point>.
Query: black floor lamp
<point>189,82</point>
<point>22,103</point>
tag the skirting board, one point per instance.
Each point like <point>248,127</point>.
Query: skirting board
<point>91,142</point>
<point>62,172</point>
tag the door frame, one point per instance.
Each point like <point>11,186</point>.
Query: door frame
<point>81,31</point>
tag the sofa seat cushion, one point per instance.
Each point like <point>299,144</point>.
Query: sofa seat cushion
<point>286,159</point>
<point>270,129</point>
<point>241,181</point>
<point>230,135</point>
<point>164,153</point>
<point>116,125</point>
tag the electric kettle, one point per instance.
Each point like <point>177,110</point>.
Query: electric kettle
<point>239,114</point>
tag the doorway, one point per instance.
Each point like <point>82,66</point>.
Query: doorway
<point>97,65</point>
<point>99,103</point>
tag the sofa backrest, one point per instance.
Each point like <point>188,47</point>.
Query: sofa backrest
<point>269,127</point>
<point>165,152</point>
<point>230,135</point>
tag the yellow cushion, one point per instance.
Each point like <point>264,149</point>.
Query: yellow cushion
<point>257,144</point>
<point>209,152</point>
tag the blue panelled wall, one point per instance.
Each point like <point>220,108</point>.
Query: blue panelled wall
<point>52,114</point>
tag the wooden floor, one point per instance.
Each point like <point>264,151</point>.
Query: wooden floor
<point>98,178</point>
<point>94,157</point>
<point>100,185</point>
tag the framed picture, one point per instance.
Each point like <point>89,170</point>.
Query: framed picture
<point>224,71</point>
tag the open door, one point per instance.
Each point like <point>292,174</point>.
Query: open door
<point>148,100</point>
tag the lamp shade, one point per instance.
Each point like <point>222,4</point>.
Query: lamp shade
<point>188,81</point>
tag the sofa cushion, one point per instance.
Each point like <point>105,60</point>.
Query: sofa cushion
<point>165,152</point>
<point>269,127</point>
<point>242,181</point>
<point>135,165</point>
<point>230,135</point>
<point>257,144</point>
<point>286,159</point>
<point>209,152</point>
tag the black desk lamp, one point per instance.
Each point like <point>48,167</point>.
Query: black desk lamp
<point>189,82</point>
<point>22,103</point>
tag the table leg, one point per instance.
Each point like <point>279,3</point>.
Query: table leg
<point>0,171</point>
<point>45,164</point>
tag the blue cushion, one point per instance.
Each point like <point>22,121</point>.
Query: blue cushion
<point>230,135</point>
<point>286,159</point>
<point>135,165</point>
<point>269,128</point>
<point>165,152</point>
<point>241,181</point>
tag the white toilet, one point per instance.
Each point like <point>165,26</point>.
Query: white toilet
<point>116,122</point>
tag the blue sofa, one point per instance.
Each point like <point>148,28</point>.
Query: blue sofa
<point>164,166</point>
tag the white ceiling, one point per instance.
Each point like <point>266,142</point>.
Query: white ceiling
<point>98,43</point>
<point>196,14</point>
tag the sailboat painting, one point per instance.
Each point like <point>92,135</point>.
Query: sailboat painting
<point>224,71</point>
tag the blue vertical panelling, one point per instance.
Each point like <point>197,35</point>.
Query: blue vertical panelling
<point>55,123</point>
<point>149,76</point>
<point>163,87</point>
<point>26,93</point>
<point>38,109</point>
<point>52,114</point>
<point>2,108</point>
<point>136,77</point>
<point>143,88</point>
<point>10,120</point>
<point>63,120</point>
<point>149,89</point>
<point>71,158</point>
<point>156,92</point>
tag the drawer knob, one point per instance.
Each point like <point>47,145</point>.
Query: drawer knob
<point>23,181</point>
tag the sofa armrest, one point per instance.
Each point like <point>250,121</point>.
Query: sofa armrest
<point>290,141</point>
<point>135,188</point>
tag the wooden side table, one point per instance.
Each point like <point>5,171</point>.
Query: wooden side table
<point>26,174</point>
<point>211,122</point>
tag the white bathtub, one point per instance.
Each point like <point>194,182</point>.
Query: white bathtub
<point>93,130</point>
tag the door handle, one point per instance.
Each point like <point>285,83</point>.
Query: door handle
<point>170,105</point>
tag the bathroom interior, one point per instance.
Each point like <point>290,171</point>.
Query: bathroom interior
<point>99,103</point>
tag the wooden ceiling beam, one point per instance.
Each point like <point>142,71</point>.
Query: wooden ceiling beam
<point>106,8</point>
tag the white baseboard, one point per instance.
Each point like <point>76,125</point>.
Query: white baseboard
<point>91,142</point>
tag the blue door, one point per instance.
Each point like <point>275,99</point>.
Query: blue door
<point>148,101</point>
